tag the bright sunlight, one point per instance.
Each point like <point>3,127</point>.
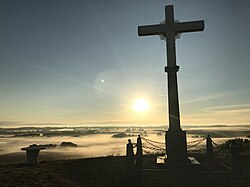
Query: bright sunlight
<point>140,105</point>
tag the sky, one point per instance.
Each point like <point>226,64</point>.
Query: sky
<point>81,62</point>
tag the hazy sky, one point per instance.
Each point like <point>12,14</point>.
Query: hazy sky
<point>81,62</point>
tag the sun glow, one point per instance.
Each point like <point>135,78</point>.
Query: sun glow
<point>141,105</point>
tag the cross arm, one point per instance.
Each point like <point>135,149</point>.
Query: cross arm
<point>191,26</point>
<point>151,30</point>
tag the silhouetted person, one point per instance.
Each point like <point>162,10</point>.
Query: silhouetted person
<point>138,162</point>
<point>210,151</point>
<point>130,155</point>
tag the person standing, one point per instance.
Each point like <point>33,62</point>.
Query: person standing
<point>210,149</point>
<point>130,155</point>
<point>138,162</point>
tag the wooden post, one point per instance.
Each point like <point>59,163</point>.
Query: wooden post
<point>235,154</point>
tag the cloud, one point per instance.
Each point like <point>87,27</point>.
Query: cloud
<point>9,123</point>
<point>28,124</point>
<point>216,96</point>
<point>162,95</point>
<point>205,98</point>
<point>229,108</point>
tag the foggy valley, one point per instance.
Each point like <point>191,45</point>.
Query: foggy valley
<point>97,141</point>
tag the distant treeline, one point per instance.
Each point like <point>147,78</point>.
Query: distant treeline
<point>220,133</point>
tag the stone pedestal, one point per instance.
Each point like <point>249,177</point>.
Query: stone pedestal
<point>176,147</point>
<point>32,153</point>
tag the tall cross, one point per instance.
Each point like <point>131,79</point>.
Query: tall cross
<point>169,29</point>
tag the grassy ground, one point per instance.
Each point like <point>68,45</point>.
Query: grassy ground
<point>111,171</point>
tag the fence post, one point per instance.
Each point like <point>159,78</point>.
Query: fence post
<point>235,153</point>
<point>209,146</point>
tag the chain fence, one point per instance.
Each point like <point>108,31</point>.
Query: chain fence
<point>152,141</point>
<point>153,147</point>
<point>156,147</point>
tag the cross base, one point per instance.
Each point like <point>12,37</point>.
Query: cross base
<point>192,164</point>
<point>176,146</point>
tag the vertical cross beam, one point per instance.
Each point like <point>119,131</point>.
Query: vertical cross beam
<point>171,69</point>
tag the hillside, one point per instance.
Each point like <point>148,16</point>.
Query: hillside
<point>111,171</point>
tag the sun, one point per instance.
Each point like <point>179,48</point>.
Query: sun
<point>141,105</point>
